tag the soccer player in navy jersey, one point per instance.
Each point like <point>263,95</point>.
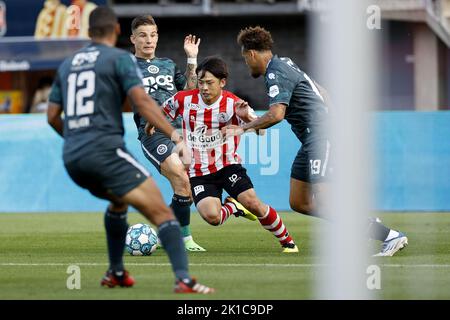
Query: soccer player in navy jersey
<point>90,88</point>
<point>162,79</point>
<point>294,96</point>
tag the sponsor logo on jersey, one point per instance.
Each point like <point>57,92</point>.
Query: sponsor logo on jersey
<point>83,58</point>
<point>271,76</point>
<point>234,178</point>
<point>162,81</point>
<point>201,129</point>
<point>198,189</point>
<point>193,106</point>
<point>273,91</point>
<point>2,18</point>
<point>161,149</point>
<point>153,69</point>
<point>223,117</point>
<point>203,138</point>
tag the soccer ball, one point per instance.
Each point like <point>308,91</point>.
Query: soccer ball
<point>141,240</point>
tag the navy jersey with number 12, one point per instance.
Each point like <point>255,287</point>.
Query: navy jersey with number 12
<point>91,86</point>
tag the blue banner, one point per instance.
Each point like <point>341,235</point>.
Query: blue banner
<point>412,164</point>
<point>36,55</point>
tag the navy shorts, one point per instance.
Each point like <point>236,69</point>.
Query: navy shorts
<point>312,163</point>
<point>232,178</point>
<point>106,171</point>
<point>157,148</point>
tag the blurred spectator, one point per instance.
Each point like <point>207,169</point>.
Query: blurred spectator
<point>5,106</point>
<point>49,23</point>
<point>40,98</point>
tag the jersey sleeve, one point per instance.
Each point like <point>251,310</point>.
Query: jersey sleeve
<point>128,72</point>
<point>279,87</point>
<point>172,106</point>
<point>180,79</point>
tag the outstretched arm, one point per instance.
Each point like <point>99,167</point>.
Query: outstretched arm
<point>191,48</point>
<point>273,116</point>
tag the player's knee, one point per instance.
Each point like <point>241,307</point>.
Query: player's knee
<point>298,206</point>
<point>212,219</point>
<point>214,222</point>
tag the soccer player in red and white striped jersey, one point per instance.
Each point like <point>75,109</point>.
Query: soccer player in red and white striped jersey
<point>215,165</point>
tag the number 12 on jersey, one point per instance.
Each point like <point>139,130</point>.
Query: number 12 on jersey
<point>80,91</point>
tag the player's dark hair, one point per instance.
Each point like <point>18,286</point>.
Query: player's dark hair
<point>142,20</point>
<point>102,22</point>
<point>255,38</point>
<point>215,65</point>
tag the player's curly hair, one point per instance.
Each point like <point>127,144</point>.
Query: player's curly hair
<point>142,20</point>
<point>255,38</point>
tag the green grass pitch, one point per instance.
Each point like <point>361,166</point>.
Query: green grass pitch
<point>243,260</point>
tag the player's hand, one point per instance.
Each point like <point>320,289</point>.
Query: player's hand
<point>191,44</point>
<point>149,129</point>
<point>241,108</point>
<point>232,130</point>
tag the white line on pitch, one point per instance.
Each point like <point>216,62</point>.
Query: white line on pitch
<point>270,265</point>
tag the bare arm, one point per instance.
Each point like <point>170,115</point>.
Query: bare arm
<point>191,77</point>
<point>191,49</point>
<point>273,116</point>
<point>54,119</point>
<point>149,109</point>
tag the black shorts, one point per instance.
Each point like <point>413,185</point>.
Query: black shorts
<point>312,163</point>
<point>107,171</point>
<point>232,178</point>
<point>157,148</point>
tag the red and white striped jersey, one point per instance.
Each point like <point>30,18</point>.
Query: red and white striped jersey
<point>201,125</point>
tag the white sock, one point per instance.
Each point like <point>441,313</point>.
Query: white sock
<point>392,234</point>
<point>187,238</point>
